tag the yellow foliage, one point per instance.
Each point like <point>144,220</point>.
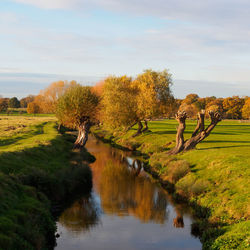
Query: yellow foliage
<point>118,102</point>
<point>153,93</point>
<point>246,109</point>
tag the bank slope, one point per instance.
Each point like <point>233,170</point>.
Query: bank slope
<point>214,178</point>
<point>35,172</point>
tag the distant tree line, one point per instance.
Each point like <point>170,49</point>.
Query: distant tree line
<point>14,102</point>
<point>229,108</point>
<point>120,102</point>
<point>125,101</point>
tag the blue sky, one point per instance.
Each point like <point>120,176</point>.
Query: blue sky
<point>204,44</point>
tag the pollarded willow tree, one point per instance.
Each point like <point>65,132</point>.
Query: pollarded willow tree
<point>199,134</point>
<point>118,102</point>
<point>153,93</point>
<point>76,109</point>
<point>126,102</point>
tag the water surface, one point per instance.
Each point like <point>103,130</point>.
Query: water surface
<point>126,209</point>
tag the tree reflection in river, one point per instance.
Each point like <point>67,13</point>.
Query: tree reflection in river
<point>82,215</point>
<point>131,211</point>
<point>124,191</point>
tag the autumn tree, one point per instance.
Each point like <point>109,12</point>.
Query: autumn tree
<point>200,103</point>
<point>246,109</point>
<point>126,102</point>
<point>14,103</point>
<point>47,98</point>
<point>153,93</point>
<point>118,102</point>
<point>33,108</point>
<point>190,105</point>
<point>26,100</point>
<point>216,105</point>
<point>199,134</point>
<point>97,89</point>
<point>169,110</point>
<point>76,109</point>
<point>4,104</point>
<point>233,106</point>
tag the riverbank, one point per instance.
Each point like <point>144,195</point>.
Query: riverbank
<point>38,173</point>
<point>214,178</point>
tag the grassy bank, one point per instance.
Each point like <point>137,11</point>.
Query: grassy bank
<point>37,169</point>
<point>214,178</point>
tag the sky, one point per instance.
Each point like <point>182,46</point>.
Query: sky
<point>205,45</point>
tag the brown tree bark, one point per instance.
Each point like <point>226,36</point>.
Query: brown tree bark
<point>146,126</point>
<point>139,130</point>
<point>199,134</point>
<point>83,131</point>
<point>181,117</point>
<point>131,126</point>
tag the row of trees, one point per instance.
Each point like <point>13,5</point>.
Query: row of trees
<point>121,102</point>
<point>126,101</point>
<point>230,107</point>
<point>47,99</point>
<point>146,97</point>
<point>13,102</point>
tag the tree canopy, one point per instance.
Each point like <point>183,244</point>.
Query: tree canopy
<point>47,99</point>
<point>118,104</point>
<point>246,109</point>
<point>14,103</point>
<point>153,91</point>
<point>126,101</point>
<point>76,109</point>
<point>77,102</point>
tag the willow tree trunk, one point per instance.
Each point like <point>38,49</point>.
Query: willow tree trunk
<point>146,126</point>
<point>139,130</point>
<point>199,134</point>
<point>83,131</point>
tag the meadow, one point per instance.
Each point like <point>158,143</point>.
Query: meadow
<point>37,171</point>
<point>214,178</point>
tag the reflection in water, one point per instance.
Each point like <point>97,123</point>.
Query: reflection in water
<point>123,192</point>
<point>124,199</point>
<point>82,215</point>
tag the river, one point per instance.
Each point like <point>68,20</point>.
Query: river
<point>126,209</point>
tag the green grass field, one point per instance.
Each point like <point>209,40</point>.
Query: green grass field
<point>215,176</point>
<point>35,168</point>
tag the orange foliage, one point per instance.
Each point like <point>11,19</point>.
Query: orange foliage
<point>98,88</point>
<point>246,109</point>
<point>33,108</point>
<point>47,99</point>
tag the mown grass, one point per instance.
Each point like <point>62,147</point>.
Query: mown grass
<point>36,170</point>
<point>214,176</point>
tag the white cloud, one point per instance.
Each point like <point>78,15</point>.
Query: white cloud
<point>50,4</point>
<point>196,39</point>
<point>212,11</point>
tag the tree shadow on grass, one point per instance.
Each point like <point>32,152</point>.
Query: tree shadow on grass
<point>238,146</point>
<point>165,132</point>
<point>224,141</point>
